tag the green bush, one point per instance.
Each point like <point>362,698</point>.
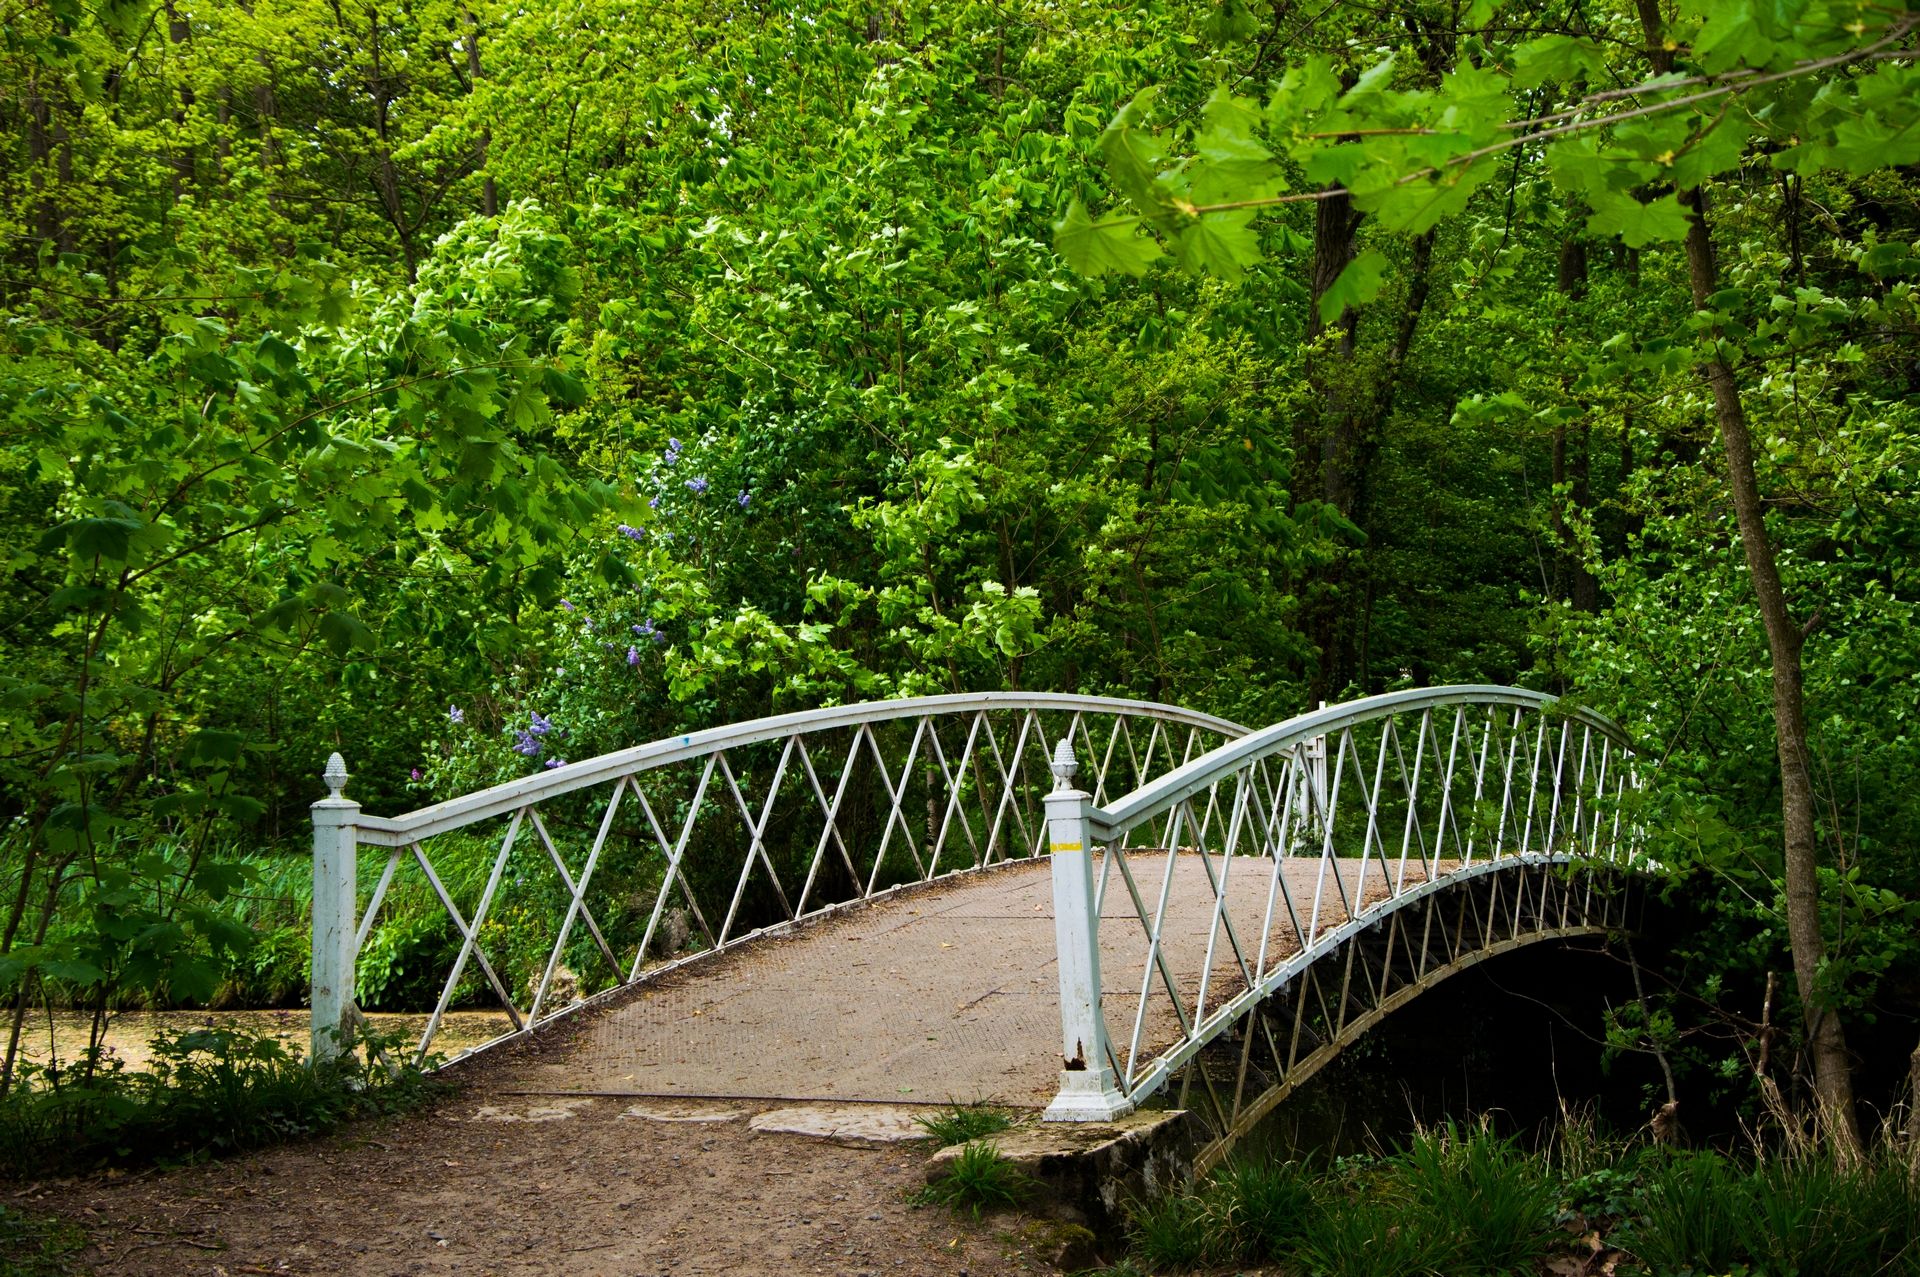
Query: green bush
<point>208,1092</point>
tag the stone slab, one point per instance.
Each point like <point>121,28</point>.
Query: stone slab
<point>860,1125</point>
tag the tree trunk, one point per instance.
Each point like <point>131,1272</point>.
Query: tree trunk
<point>1826,1040</point>
<point>489,194</point>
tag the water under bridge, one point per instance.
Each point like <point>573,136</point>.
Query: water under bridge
<point>1076,904</point>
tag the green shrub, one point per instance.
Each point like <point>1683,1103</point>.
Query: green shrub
<point>964,1123</point>
<point>208,1091</point>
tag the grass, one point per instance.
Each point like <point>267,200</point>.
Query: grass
<point>979,1180</point>
<point>35,1247</point>
<point>964,1123</point>
<point>1466,1203</point>
<point>209,1092</point>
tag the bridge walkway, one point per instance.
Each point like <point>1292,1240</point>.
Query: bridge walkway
<point>948,992</point>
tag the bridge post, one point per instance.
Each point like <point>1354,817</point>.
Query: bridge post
<point>335,857</point>
<point>1087,1089</point>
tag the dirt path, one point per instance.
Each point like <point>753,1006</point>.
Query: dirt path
<point>497,1184</point>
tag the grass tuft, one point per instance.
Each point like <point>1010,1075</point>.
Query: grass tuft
<point>964,1123</point>
<point>979,1180</point>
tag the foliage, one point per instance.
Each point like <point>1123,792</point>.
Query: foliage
<point>209,1092</point>
<point>34,1247</point>
<point>1465,1201</point>
<point>978,1180</point>
<point>393,382</point>
<point>964,1123</point>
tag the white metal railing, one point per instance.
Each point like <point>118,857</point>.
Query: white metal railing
<point>1244,865</point>
<point>739,830</point>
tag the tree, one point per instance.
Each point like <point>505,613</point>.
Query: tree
<point>1805,89</point>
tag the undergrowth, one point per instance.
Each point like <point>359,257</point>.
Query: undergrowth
<point>1467,1203</point>
<point>208,1092</point>
<point>31,1246</point>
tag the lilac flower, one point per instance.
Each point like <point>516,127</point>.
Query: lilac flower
<point>697,484</point>
<point>526,745</point>
<point>633,656</point>
<point>566,605</point>
<point>653,503</point>
<point>555,762</point>
<point>644,628</point>
<point>630,532</point>
<point>673,451</point>
<point>744,499</point>
<point>456,715</point>
<point>414,774</point>
<point>540,726</point>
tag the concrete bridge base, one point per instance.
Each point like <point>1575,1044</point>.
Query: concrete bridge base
<point>1091,1172</point>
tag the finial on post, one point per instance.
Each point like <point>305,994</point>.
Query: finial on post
<point>1064,764</point>
<point>336,777</point>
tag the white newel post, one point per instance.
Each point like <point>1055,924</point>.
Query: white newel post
<point>335,856</point>
<point>1087,1090</point>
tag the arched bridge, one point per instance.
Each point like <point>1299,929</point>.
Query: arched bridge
<point>1076,902</point>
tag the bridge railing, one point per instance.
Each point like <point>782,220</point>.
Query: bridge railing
<point>574,883</point>
<point>1182,905</point>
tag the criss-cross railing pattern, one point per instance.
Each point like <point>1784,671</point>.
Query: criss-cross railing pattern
<point>602,873</point>
<point>1184,904</point>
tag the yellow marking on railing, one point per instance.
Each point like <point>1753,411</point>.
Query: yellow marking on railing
<point>1066,846</point>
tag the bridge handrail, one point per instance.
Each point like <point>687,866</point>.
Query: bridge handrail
<point>398,831</point>
<point>1165,792</point>
<point>1297,795</point>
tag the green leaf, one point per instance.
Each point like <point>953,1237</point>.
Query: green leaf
<point>563,388</point>
<point>1712,153</point>
<point>1564,59</point>
<point>1639,224</point>
<point>343,631</point>
<point>1357,285</point>
<point>1099,247</point>
<point>1220,244</point>
<point>1133,155</point>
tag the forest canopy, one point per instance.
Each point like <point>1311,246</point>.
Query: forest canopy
<point>394,378</point>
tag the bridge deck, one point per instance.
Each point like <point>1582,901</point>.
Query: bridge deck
<point>945,993</point>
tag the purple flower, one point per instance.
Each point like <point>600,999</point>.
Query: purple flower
<point>630,532</point>
<point>744,499</point>
<point>566,605</point>
<point>673,451</point>
<point>633,656</point>
<point>414,774</point>
<point>540,726</point>
<point>526,745</point>
<point>645,627</point>
<point>653,503</point>
<point>456,715</point>
<point>555,762</point>
<point>697,484</point>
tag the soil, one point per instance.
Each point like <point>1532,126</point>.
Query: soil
<point>488,1182</point>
